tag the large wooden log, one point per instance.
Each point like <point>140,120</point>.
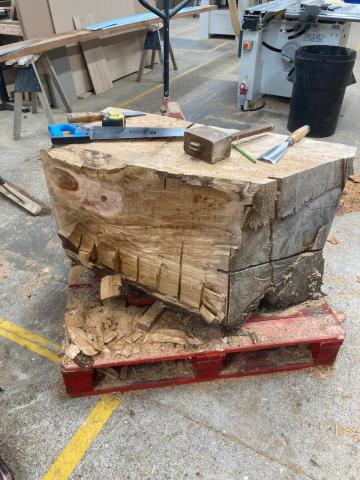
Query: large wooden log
<point>214,239</point>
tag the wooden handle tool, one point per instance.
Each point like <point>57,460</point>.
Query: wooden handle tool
<point>85,117</point>
<point>251,132</point>
<point>212,145</point>
<point>274,154</point>
<point>299,134</point>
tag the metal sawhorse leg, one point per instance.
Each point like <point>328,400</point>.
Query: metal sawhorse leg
<point>153,43</point>
<point>5,102</point>
<point>27,79</point>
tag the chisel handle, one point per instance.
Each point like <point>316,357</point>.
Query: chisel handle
<point>300,133</point>
<point>85,117</point>
<point>251,132</point>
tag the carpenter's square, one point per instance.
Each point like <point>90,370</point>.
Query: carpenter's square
<point>65,133</point>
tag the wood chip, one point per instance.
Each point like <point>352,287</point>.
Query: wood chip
<point>110,287</point>
<point>81,339</point>
<point>208,316</point>
<point>152,314</point>
<point>341,316</point>
<point>71,350</point>
<point>355,178</point>
<point>126,351</point>
<point>167,336</point>
<point>333,240</point>
<point>110,335</point>
<point>134,337</point>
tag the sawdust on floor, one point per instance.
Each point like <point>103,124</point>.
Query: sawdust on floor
<point>36,281</point>
<point>4,273</point>
<point>350,200</point>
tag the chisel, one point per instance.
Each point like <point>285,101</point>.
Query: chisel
<point>274,154</point>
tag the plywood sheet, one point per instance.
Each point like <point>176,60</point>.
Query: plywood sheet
<point>94,57</point>
<point>29,13</point>
<point>35,18</point>
<point>123,52</point>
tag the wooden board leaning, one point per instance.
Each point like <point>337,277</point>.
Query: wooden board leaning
<point>40,45</point>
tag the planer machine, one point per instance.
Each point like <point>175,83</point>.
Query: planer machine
<point>273,31</point>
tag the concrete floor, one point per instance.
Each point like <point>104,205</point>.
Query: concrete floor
<point>301,425</point>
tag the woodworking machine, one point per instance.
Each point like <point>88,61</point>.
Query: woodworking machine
<point>271,34</point>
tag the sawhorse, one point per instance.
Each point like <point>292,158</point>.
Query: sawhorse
<point>27,79</point>
<point>153,43</point>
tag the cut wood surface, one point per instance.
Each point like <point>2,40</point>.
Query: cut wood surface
<point>214,239</point>
<point>153,313</point>
<point>69,38</point>
<point>110,286</point>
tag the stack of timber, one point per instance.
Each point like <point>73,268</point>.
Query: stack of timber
<point>216,240</point>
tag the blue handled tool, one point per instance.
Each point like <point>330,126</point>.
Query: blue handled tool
<point>66,133</point>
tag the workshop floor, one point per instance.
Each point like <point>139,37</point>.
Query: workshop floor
<point>302,425</point>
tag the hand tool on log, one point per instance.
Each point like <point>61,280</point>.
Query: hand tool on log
<point>14,194</point>
<point>166,15</point>
<point>212,145</point>
<point>244,153</point>
<point>105,117</point>
<point>65,133</point>
<point>274,154</point>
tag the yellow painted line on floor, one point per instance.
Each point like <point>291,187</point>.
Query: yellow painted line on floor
<point>74,451</point>
<point>33,347</point>
<point>160,86</point>
<point>26,334</point>
<point>72,454</point>
<point>219,46</point>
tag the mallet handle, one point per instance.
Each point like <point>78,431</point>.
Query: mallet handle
<point>251,132</point>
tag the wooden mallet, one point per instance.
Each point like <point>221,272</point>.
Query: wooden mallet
<point>212,145</point>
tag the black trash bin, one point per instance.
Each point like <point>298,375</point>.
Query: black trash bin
<point>320,77</point>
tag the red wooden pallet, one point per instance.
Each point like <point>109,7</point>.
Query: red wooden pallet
<point>306,336</point>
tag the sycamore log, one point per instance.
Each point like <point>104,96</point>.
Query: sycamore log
<point>215,240</point>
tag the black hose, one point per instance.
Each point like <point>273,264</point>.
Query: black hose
<point>252,109</point>
<point>301,32</point>
<point>270,47</point>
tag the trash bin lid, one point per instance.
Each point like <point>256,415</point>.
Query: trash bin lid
<point>326,53</point>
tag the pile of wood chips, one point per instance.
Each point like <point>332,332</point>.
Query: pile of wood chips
<point>350,200</point>
<point>108,327</point>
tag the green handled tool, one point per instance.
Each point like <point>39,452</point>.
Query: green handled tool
<point>244,153</point>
